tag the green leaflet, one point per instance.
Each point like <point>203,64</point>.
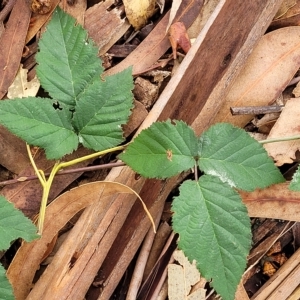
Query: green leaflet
<point>236,158</point>
<point>98,119</point>
<point>38,123</point>
<point>89,110</point>
<point>214,229</point>
<point>295,182</point>
<point>67,60</point>
<point>6,292</point>
<point>162,150</point>
<point>13,225</point>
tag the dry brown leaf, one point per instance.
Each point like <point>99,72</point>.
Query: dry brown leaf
<point>179,38</point>
<point>59,212</point>
<point>139,11</point>
<point>21,87</point>
<point>182,277</point>
<point>290,18</point>
<point>286,125</point>
<point>274,202</point>
<point>285,6</point>
<point>268,70</point>
<point>12,152</point>
<point>138,115</point>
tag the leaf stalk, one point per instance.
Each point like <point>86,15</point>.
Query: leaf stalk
<point>46,183</point>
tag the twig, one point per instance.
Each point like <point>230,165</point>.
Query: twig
<point>255,110</point>
<point>64,172</point>
<point>196,171</point>
<point>282,139</point>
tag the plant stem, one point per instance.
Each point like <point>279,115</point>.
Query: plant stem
<point>282,139</point>
<point>37,171</point>
<point>196,171</point>
<point>93,155</point>
<point>47,183</point>
<point>46,191</point>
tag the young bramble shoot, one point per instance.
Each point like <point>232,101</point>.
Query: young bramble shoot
<point>209,215</point>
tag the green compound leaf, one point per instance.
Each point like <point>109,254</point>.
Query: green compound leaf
<point>37,122</point>
<point>6,292</point>
<point>68,61</point>
<point>162,150</point>
<point>13,225</point>
<point>236,158</point>
<point>295,183</point>
<point>214,229</point>
<point>102,109</point>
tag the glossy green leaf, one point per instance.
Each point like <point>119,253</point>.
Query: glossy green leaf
<point>162,150</point>
<point>6,292</point>
<point>13,225</point>
<point>37,122</point>
<point>214,229</point>
<point>236,158</point>
<point>67,59</point>
<point>102,109</point>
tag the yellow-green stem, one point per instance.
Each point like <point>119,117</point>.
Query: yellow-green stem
<point>46,184</point>
<point>46,191</point>
<point>93,155</point>
<point>37,171</point>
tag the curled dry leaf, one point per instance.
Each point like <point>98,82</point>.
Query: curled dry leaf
<point>21,87</point>
<point>286,125</point>
<point>274,202</point>
<point>286,5</point>
<point>266,73</point>
<point>179,38</point>
<point>291,17</point>
<point>139,11</point>
<point>28,258</point>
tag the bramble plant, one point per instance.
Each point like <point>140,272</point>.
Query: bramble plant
<point>209,215</point>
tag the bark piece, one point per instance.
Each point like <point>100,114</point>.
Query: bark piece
<point>103,26</point>
<point>12,42</point>
<point>137,117</point>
